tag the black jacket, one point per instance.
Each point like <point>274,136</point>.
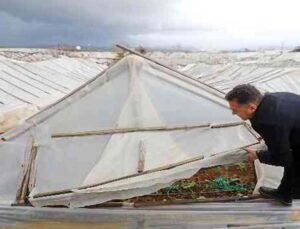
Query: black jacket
<point>277,120</point>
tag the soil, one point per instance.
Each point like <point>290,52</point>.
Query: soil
<point>236,180</point>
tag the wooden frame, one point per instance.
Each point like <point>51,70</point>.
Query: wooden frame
<point>26,183</point>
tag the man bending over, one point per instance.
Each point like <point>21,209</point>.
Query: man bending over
<point>276,117</point>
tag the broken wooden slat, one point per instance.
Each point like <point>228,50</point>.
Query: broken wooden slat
<point>23,185</point>
<point>141,161</point>
<point>32,171</point>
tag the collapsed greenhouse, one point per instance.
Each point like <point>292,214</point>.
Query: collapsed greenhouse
<point>134,129</point>
<point>126,122</point>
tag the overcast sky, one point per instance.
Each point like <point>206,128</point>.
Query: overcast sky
<point>209,24</point>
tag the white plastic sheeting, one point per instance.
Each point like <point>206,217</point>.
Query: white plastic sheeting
<point>12,157</point>
<point>241,214</point>
<point>150,115</point>
<point>267,175</point>
<point>25,87</point>
<point>267,78</point>
<point>32,82</point>
<point>214,58</point>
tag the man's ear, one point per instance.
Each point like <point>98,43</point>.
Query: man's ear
<point>252,107</point>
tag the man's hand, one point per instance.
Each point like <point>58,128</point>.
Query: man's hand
<point>252,156</point>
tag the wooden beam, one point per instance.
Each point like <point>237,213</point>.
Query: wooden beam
<point>25,188</point>
<point>145,129</point>
<point>24,184</point>
<point>141,157</point>
<point>25,167</point>
<point>32,171</point>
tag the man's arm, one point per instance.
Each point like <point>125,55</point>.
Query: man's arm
<point>277,138</point>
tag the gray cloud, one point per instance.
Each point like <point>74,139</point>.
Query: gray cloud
<point>35,22</point>
<point>105,22</point>
<point>89,12</point>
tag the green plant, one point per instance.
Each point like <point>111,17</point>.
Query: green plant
<point>174,188</point>
<point>242,166</point>
<point>230,184</point>
<point>188,185</point>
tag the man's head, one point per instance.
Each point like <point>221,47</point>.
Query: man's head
<point>244,100</point>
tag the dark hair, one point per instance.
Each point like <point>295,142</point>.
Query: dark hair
<point>244,94</point>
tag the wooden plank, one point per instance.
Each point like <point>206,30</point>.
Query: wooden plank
<point>20,198</point>
<point>141,159</point>
<point>32,171</point>
<point>145,129</point>
<point>25,187</point>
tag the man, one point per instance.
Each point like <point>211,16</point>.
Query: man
<point>276,117</point>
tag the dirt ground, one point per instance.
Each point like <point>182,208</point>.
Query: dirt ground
<point>236,180</point>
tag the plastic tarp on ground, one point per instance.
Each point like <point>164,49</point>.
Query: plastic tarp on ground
<point>133,130</point>
<point>240,215</point>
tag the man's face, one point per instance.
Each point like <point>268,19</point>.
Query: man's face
<point>244,111</point>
